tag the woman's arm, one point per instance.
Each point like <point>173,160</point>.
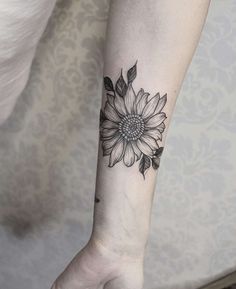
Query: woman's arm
<point>156,41</point>
<point>148,50</point>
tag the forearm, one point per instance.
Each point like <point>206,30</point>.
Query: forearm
<point>161,35</point>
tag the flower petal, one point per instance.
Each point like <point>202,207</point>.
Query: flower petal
<point>142,102</point>
<point>144,147</point>
<point>161,104</point>
<point>139,96</point>
<point>120,104</point>
<point>130,99</point>
<point>108,132</point>
<point>150,141</point>
<point>161,127</point>
<point>117,152</point>
<point>137,151</point>
<point>155,133</point>
<point>111,113</point>
<point>155,120</point>
<point>109,124</point>
<point>129,156</point>
<point>107,152</point>
<point>150,106</point>
<point>106,144</point>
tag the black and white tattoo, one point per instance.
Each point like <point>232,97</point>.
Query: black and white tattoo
<point>131,124</point>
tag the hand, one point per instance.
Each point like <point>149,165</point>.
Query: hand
<point>97,267</point>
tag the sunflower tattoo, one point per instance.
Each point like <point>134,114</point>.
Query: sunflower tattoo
<point>131,124</point>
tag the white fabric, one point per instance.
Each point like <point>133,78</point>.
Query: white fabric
<point>22,23</point>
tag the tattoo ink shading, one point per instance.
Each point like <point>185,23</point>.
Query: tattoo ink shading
<point>132,123</point>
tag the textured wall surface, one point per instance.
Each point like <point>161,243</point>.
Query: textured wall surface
<point>48,158</point>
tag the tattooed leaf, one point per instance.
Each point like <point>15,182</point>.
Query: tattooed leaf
<point>155,163</point>
<point>156,159</point>
<point>110,99</point>
<point>159,152</point>
<point>121,86</point>
<point>144,164</point>
<point>132,73</point>
<point>108,84</point>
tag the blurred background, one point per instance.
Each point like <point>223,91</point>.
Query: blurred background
<point>48,151</point>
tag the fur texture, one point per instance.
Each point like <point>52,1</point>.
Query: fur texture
<point>22,23</point>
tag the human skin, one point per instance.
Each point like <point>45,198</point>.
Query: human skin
<point>158,38</point>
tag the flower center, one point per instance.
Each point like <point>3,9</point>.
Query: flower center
<point>131,127</point>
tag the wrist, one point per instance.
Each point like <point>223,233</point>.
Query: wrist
<point>122,243</point>
<point>122,218</point>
